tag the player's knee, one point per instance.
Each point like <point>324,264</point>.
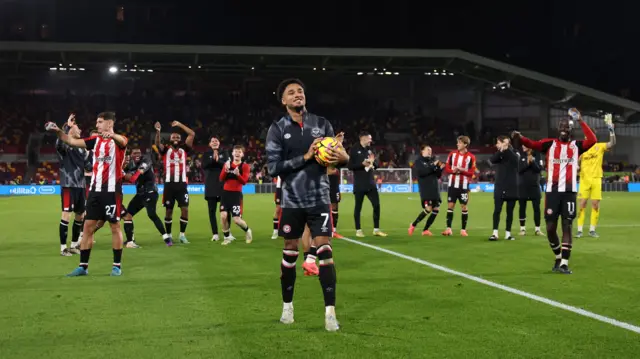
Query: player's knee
<point>566,222</point>
<point>65,216</point>
<point>291,244</point>
<point>595,204</point>
<point>237,220</point>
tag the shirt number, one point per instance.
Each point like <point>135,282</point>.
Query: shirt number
<point>110,210</point>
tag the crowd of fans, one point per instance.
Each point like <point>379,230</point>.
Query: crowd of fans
<point>235,116</point>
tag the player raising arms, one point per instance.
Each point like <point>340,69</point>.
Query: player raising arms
<point>562,181</point>
<point>105,193</point>
<point>591,180</point>
<point>140,172</point>
<point>174,160</point>
<point>429,171</point>
<point>234,174</point>
<point>72,183</point>
<point>334,190</point>
<point>290,146</point>
<point>461,166</point>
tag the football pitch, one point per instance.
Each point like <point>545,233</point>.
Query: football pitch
<point>204,300</point>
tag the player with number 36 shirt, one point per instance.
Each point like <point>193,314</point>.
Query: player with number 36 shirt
<point>234,175</point>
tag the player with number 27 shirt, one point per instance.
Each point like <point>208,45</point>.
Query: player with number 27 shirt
<point>234,175</point>
<point>105,191</point>
<point>562,155</point>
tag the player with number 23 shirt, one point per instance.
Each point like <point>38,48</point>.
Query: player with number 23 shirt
<point>234,175</point>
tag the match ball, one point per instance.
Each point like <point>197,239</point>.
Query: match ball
<point>322,153</point>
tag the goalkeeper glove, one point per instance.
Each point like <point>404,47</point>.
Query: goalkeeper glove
<point>608,119</point>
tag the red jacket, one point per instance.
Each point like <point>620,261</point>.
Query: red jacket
<point>232,182</point>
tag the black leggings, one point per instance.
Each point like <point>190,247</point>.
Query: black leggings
<point>374,198</point>
<point>212,202</point>
<point>497,209</point>
<point>523,211</point>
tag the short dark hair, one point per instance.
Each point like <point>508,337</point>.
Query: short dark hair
<point>502,138</point>
<point>136,149</point>
<point>422,146</point>
<point>107,115</point>
<point>238,147</point>
<point>283,86</point>
<point>364,133</point>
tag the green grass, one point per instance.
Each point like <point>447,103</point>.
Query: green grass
<point>208,301</point>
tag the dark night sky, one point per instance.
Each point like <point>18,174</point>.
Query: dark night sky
<point>590,43</point>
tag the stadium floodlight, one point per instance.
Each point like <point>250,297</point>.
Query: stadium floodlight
<point>360,73</point>
<point>53,68</point>
<point>113,69</point>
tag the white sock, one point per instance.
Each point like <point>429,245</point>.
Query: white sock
<point>287,305</point>
<point>63,247</point>
<point>376,229</point>
<point>182,233</point>
<point>579,228</point>
<point>165,236</point>
<point>564,262</point>
<point>592,228</point>
<point>310,259</point>
<point>495,232</point>
<point>538,229</point>
<point>275,231</point>
<point>507,234</point>
<point>330,310</point>
<point>523,228</point>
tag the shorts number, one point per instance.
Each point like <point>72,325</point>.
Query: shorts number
<point>110,210</point>
<point>236,210</point>
<point>464,197</point>
<point>571,207</point>
<point>338,196</point>
<point>186,197</point>
<point>326,219</point>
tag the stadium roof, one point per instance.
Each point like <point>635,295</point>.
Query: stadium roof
<point>231,59</point>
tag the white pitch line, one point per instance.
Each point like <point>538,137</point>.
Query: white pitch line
<point>521,293</point>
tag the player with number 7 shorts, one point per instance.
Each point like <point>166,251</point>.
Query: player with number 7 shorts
<point>562,155</point>
<point>234,175</point>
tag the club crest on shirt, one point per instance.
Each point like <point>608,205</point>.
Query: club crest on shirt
<point>287,136</point>
<point>315,132</point>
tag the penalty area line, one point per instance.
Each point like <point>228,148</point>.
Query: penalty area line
<point>537,298</point>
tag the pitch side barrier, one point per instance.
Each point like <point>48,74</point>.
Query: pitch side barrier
<point>196,189</point>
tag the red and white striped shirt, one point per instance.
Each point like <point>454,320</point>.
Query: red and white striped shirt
<point>108,159</point>
<point>175,165</point>
<point>562,159</point>
<point>466,161</point>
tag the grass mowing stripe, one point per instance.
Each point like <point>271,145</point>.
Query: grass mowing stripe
<point>521,293</point>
